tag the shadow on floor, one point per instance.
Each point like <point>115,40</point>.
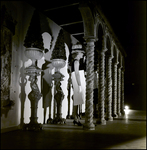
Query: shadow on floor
<point>68,136</point>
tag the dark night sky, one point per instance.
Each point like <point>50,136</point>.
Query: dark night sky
<point>128,20</point>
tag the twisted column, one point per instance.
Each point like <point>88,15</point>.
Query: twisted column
<point>114,95</point>
<point>122,91</point>
<point>89,84</point>
<point>119,92</point>
<point>101,92</point>
<point>109,89</point>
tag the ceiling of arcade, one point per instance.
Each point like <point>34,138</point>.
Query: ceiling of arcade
<point>66,14</point>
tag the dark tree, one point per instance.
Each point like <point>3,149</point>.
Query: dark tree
<point>59,49</point>
<point>34,37</point>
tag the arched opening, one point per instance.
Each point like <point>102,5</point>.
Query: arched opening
<point>108,45</point>
<point>108,53</point>
<point>114,51</point>
<point>100,37</point>
<point>119,58</point>
<point>98,46</point>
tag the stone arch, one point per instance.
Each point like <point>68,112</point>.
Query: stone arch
<point>108,45</point>
<point>119,58</point>
<point>123,62</point>
<point>88,20</point>
<point>98,23</point>
<point>108,52</point>
<point>100,36</point>
<point>107,40</point>
<point>112,48</point>
<point>115,51</point>
<point>98,44</point>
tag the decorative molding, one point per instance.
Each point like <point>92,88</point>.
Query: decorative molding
<point>7,20</point>
<point>7,31</point>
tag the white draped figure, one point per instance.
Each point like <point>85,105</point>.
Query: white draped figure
<point>78,81</point>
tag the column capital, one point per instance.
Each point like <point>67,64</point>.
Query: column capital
<point>123,69</point>
<point>110,56</point>
<point>120,65</point>
<point>116,63</point>
<point>103,50</point>
<point>90,38</point>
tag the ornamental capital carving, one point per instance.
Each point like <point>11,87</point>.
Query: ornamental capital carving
<point>109,55</point>
<point>106,31</point>
<point>90,38</point>
<point>103,51</point>
<point>123,69</point>
<point>115,62</point>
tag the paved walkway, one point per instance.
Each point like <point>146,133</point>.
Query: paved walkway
<point>121,133</point>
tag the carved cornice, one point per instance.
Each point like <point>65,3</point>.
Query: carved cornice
<point>100,17</point>
<point>7,20</point>
<point>90,38</point>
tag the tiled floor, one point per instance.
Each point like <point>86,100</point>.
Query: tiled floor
<point>121,133</point>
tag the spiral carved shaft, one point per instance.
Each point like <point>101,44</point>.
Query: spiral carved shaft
<point>109,88</point>
<point>101,92</point>
<point>119,91</point>
<point>122,93</point>
<point>115,90</point>
<point>89,82</point>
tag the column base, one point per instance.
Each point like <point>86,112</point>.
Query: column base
<point>115,116</point>
<point>69,117</point>
<point>109,119</point>
<point>123,113</point>
<point>49,120</point>
<point>119,114</point>
<point>32,126</point>
<point>57,120</point>
<point>101,121</point>
<point>88,126</point>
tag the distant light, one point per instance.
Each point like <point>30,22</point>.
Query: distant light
<point>126,110</point>
<point>133,83</point>
<point>126,107</point>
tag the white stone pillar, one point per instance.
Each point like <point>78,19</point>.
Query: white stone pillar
<point>89,83</point>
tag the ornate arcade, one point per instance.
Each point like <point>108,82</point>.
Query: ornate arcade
<point>105,56</point>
